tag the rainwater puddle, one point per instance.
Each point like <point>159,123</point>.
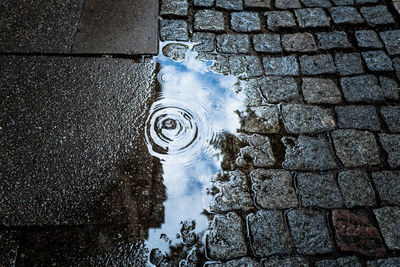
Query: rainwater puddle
<point>194,109</point>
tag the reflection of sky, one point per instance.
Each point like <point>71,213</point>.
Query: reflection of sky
<point>210,99</point>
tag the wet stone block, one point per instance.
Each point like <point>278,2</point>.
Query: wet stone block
<point>391,115</point>
<point>384,262</point>
<point>259,151</point>
<point>349,64</point>
<point>316,3</point>
<point>206,40</point>
<point>209,20</point>
<point>287,4</point>
<point>230,4</point>
<point>345,261</point>
<point>331,40</point>
<point>309,232</point>
<point>301,119</point>
<point>268,232</point>
<point>391,41</point>
<point>368,39</point>
<point>389,222</point>
<point>245,66</point>
<point>299,42</point>
<point>356,188</point>
<point>293,262</point>
<point>250,88</point>
<point>391,144</point>
<point>277,89</point>
<point>319,190</point>
<point>280,19</point>
<point>233,43</point>
<point>265,4</point>
<point>245,261</point>
<point>9,243</point>
<point>377,15</point>
<point>363,88</point>
<point>174,30</point>
<point>226,239</point>
<point>390,88</point>
<point>356,232</point>
<point>245,21</point>
<point>273,189</point>
<point>396,64</point>
<point>220,63</point>
<point>320,91</point>
<point>308,153</point>
<point>312,17</point>
<point>377,61</point>
<point>281,66</point>
<point>176,52</point>
<point>318,64</point>
<point>263,119</point>
<point>345,15</point>
<point>388,185</point>
<point>343,2</point>
<point>204,3</point>
<point>268,43</point>
<point>174,7</point>
<point>356,148</point>
<point>358,117</point>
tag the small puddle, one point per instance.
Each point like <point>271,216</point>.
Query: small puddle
<point>194,110</point>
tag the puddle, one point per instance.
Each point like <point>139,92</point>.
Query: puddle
<point>194,110</point>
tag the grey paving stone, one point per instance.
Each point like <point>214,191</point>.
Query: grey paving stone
<point>34,26</point>
<point>258,150</point>
<point>345,15</point>
<point>377,15</point>
<point>287,4</point>
<point>51,108</point>
<point>316,3</point>
<point>281,66</point>
<point>320,91</point>
<point>268,43</point>
<point>377,61</point>
<point>348,64</point>
<point>391,115</point>
<point>318,64</point>
<point>251,90</point>
<point>174,7</point>
<point>263,119</point>
<point>396,5</point>
<point>366,1</point>
<point>356,148</point>
<point>389,262</point>
<point>308,153</point>
<point>245,261</point>
<point>273,189</point>
<point>390,88</point>
<point>268,233</point>
<point>206,40</point>
<point>391,39</point>
<point>343,2</point>
<point>176,52</point>
<point>245,21</point>
<point>230,4</point>
<point>277,89</point>
<point>118,27</point>
<point>391,144</point>
<point>358,117</point>
<point>356,188</point>
<point>174,30</point>
<point>204,3</point>
<point>301,119</point>
<point>258,4</point>
<point>280,19</point>
<point>220,64</point>
<point>396,65</point>
<point>319,190</point>
<point>245,66</point>
<point>345,261</point>
<point>388,185</point>
<point>9,243</point>
<point>209,20</point>
<point>233,43</point>
<point>368,39</point>
<point>229,229</point>
<point>233,193</point>
<point>363,88</point>
<point>310,232</point>
<point>312,17</point>
<point>331,40</point>
<point>299,42</point>
<point>288,262</point>
<point>389,222</point>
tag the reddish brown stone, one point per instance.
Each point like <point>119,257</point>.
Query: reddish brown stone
<point>355,232</point>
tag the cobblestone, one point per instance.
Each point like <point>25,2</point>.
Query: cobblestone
<point>277,89</point>
<point>174,7</point>
<point>258,4</point>
<point>209,20</point>
<point>356,188</point>
<point>204,3</point>
<point>280,19</point>
<point>345,261</point>
<point>281,66</point>
<point>331,40</point>
<point>269,43</point>
<point>301,119</point>
<point>391,39</point>
<point>348,64</point>
<point>206,40</point>
<point>220,63</point>
<point>345,15</point>
<point>319,190</point>
<point>263,119</point>
<point>273,189</point>
<point>391,144</point>
<point>312,17</point>
<point>377,15</point>
<point>318,64</point>
<point>368,39</point>
<point>288,262</point>
<point>268,233</point>
<point>230,4</point>
<point>245,21</point>
<point>389,222</point>
<point>176,52</point>
<point>310,232</point>
<point>391,115</point>
<point>384,262</point>
<point>233,44</point>
<point>245,261</point>
<point>358,117</point>
<point>377,61</point>
<point>320,91</point>
<point>396,64</point>
<point>245,66</point>
<point>251,90</point>
<point>343,2</point>
<point>174,30</point>
<point>356,148</point>
<point>308,153</point>
<point>388,186</point>
<point>287,4</point>
<point>390,88</point>
<point>362,88</point>
<point>259,151</point>
<point>316,3</point>
<point>299,42</point>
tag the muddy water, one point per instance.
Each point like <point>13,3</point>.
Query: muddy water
<point>194,109</point>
